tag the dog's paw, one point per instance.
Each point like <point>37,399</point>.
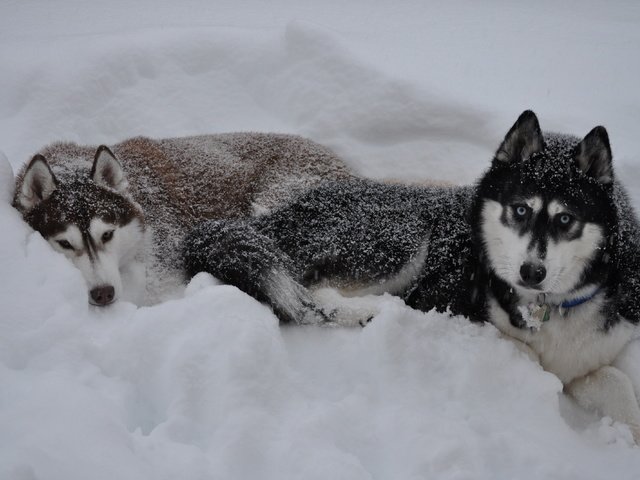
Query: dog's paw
<point>314,315</point>
<point>363,323</point>
<point>336,317</point>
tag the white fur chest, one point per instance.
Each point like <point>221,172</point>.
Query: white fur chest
<point>572,345</point>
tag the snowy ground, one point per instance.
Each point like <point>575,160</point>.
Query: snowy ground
<point>208,386</point>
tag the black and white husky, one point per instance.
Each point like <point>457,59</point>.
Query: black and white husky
<point>119,214</point>
<point>545,247</point>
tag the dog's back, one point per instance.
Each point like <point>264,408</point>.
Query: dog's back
<point>362,236</point>
<point>181,181</point>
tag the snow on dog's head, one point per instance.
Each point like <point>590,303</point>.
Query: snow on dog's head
<point>82,209</point>
<point>545,210</point>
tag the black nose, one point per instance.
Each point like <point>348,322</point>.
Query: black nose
<point>103,295</point>
<point>532,274</point>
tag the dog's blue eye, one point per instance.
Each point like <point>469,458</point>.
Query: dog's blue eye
<point>106,236</point>
<point>565,219</point>
<point>64,244</point>
<point>521,211</point>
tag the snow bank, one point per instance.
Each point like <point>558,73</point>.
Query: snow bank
<point>209,386</point>
<point>172,82</point>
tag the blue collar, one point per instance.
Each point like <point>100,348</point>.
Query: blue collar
<point>579,300</point>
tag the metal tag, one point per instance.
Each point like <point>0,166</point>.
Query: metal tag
<point>535,315</point>
<point>541,313</point>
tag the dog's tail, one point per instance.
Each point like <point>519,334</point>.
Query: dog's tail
<point>235,252</point>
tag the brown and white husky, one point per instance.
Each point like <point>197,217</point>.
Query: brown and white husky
<point>119,213</point>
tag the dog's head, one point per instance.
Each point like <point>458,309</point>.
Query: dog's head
<point>85,214</point>
<point>545,214</point>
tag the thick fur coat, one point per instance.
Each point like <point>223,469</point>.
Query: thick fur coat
<point>107,209</point>
<point>545,246</point>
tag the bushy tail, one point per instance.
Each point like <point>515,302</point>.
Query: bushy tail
<point>235,252</point>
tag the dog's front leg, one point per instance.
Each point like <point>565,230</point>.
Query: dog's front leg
<point>609,391</point>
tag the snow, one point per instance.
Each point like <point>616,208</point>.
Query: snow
<point>209,386</point>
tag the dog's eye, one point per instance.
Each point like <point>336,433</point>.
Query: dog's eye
<point>520,211</point>
<point>565,219</point>
<point>65,244</point>
<point>106,236</point>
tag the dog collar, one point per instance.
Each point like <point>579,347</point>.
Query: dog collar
<point>535,314</point>
<point>578,301</point>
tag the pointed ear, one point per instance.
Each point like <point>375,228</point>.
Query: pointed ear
<point>523,140</point>
<point>107,171</point>
<point>593,155</point>
<point>38,183</point>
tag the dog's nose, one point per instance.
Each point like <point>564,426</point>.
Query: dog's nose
<point>103,295</point>
<point>532,274</point>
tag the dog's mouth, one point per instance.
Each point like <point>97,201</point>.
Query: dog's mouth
<point>101,304</point>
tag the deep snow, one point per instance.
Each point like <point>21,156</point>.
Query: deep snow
<point>209,386</point>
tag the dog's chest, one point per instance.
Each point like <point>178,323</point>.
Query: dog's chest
<point>570,345</point>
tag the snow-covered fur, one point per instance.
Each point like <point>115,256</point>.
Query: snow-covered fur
<point>120,213</point>
<point>548,217</point>
<point>358,236</point>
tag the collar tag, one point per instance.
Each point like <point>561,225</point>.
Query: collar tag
<point>535,315</point>
<point>541,312</point>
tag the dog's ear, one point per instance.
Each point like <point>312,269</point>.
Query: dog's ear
<point>107,170</point>
<point>523,140</point>
<point>38,183</point>
<point>593,155</point>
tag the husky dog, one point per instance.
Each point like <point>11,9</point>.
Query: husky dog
<point>119,214</point>
<point>545,247</point>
